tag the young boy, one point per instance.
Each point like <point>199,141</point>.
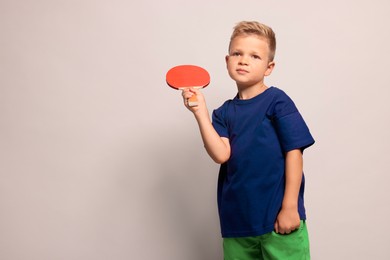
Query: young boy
<point>258,137</point>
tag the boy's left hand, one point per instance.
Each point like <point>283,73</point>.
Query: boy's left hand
<point>287,221</point>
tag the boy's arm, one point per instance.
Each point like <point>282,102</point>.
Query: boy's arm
<point>288,219</point>
<point>217,147</point>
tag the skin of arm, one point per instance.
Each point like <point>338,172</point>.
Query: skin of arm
<point>288,218</point>
<point>217,147</point>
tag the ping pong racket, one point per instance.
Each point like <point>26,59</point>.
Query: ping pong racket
<point>188,76</point>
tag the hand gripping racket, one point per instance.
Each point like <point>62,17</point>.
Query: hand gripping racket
<point>188,76</point>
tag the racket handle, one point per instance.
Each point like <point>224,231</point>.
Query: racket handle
<point>193,101</point>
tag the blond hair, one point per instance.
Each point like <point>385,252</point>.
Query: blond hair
<point>246,28</point>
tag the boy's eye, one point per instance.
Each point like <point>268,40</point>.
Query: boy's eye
<point>255,56</point>
<point>236,54</point>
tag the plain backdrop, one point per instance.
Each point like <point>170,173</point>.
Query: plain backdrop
<point>99,159</point>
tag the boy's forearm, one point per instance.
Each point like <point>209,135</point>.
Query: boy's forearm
<point>294,169</point>
<point>218,148</point>
<point>288,217</point>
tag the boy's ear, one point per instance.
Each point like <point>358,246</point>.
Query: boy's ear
<point>226,59</point>
<point>270,67</point>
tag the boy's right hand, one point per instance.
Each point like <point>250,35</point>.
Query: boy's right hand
<point>201,107</point>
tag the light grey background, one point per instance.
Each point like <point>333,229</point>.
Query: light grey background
<point>100,160</point>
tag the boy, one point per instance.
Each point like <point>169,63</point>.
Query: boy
<point>258,137</point>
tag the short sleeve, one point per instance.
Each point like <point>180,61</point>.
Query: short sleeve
<point>293,132</point>
<point>290,126</point>
<point>219,121</point>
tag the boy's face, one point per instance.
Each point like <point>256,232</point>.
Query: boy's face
<point>248,61</point>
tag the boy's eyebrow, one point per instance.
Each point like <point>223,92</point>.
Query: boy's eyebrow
<point>259,54</point>
<point>251,52</point>
<point>235,49</point>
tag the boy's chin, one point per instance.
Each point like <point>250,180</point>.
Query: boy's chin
<point>245,84</point>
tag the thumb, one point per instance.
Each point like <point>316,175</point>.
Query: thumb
<point>276,226</point>
<point>194,90</point>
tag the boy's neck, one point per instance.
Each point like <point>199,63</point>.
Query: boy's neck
<point>251,92</point>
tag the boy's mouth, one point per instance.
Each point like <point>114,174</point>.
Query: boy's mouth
<point>242,71</point>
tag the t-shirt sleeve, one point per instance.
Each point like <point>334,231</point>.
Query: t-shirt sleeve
<point>219,122</point>
<point>290,126</point>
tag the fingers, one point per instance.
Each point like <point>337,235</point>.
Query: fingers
<point>189,92</point>
<point>285,230</point>
<point>189,97</point>
<point>287,221</point>
<point>282,230</point>
<point>186,93</point>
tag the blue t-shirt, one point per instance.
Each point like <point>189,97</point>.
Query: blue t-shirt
<point>251,183</point>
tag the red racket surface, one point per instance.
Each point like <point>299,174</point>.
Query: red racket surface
<point>187,76</point>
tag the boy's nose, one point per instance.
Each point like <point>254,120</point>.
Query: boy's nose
<point>243,61</point>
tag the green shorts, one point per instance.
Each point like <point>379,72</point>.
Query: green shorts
<point>272,245</point>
